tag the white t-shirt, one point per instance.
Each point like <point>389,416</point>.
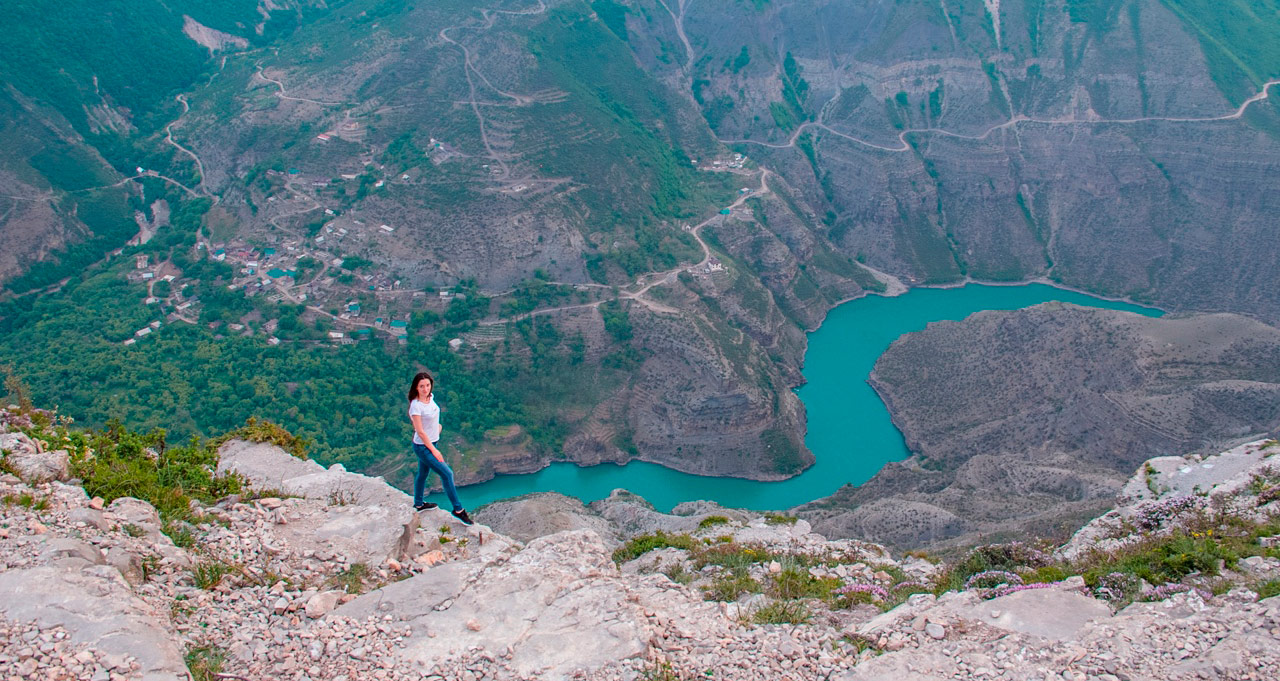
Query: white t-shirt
<point>430,413</point>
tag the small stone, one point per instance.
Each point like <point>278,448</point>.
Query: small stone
<point>775,567</point>
<point>935,631</point>
<point>97,503</point>
<point>320,604</point>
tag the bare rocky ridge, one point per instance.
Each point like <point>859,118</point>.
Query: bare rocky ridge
<point>1029,421</point>
<point>469,603</point>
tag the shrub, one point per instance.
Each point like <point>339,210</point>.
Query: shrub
<point>257,430</point>
<point>642,544</point>
<point>1153,515</point>
<point>128,464</point>
<point>1116,587</point>
<point>871,594</point>
<point>712,521</point>
<point>1006,557</point>
<point>779,519</point>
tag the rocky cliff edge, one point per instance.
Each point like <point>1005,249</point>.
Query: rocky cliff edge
<point>326,574</point>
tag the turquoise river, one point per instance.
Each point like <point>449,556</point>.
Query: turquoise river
<point>850,432</point>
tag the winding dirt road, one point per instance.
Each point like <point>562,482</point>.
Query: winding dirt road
<point>489,16</point>
<point>903,146</point>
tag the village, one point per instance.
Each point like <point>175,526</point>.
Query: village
<point>347,296</point>
<point>357,301</point>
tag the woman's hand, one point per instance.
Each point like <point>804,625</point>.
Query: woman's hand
<point>436,453</point>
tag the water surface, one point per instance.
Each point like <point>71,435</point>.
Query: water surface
<point>850,432</point>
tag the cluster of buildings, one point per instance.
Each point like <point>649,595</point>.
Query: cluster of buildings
<point>724,164</point>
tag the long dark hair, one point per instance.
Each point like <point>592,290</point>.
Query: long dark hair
<point>417,378</point>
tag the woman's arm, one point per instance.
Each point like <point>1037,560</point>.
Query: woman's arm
<point>422,435</point>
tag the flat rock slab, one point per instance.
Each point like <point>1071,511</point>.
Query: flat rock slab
<point>270,467</point>
<point>1049,613</point>
<point>560,604</point>
<point>361,534</point>
<point>97,609</point>
<point>265,465</point>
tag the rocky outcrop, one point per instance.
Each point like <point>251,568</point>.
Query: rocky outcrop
<point>1029,421</point>
<point>211,38</point>
<point>25,457</point>
<point>1056,633</point>
<point>362,517</point>
<point>1170,489</point>
<point>615,518</point>
<point>538,515</point>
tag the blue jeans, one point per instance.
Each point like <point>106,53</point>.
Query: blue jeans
<point>427,462</point>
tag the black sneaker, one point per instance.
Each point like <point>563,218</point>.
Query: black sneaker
<point>461,515</point>
<point>425,506</point>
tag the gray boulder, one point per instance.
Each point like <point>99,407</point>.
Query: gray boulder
<point>23,455</point>
<point>130,511</point>
<point>364,520</point>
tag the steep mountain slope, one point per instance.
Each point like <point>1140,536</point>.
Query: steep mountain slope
<point>1103,145</point>
<point>548,184</point>
<point>1028,421</point>
<point>87,87</point>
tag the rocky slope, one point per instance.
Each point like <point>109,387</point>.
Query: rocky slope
<point>327,575</point>
<point>1029,421</point>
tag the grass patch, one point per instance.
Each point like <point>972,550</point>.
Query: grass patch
<point>209,574</point>
<point>205,663</point>
<point>258,430</point>
<point>178,532</point>
<point>351,580</point>
<point>794,583</point>
<point>28,501</point>
<point>782,612</point>
<point>1269,589</point>
<point>678,574</point>
<point>779,519</point>
<point>730,585</point>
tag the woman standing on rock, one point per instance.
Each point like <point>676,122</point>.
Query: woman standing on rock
<point>424,413</point>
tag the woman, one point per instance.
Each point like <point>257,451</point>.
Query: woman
<point>425,415</point>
